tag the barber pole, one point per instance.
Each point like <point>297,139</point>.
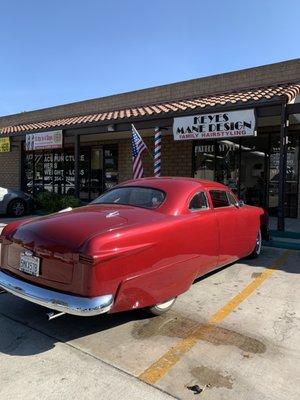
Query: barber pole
<point>157,152</point>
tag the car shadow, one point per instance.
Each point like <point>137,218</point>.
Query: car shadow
<point>25,339</point>
<point>22,323</point>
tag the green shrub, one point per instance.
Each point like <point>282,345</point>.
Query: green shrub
<point>70,201</point>
<point>52,202</point>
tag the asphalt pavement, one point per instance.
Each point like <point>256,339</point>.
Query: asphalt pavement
<point>234,335</point>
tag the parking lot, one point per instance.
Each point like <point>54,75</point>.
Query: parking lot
<point>234,335</point>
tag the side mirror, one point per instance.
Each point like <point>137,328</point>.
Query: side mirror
<point>241,203</point>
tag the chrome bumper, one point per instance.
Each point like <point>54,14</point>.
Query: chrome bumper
<point>82,306</point>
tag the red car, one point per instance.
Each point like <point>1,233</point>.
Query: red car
<point>139,245</point>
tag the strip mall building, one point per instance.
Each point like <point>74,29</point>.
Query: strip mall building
<point>241,128</point>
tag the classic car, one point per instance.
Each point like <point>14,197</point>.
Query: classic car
<point>139,245</point>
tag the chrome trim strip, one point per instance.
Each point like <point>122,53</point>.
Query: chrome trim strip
<point>81,306</point>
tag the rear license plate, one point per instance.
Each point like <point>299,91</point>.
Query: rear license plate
<point>29,264</point>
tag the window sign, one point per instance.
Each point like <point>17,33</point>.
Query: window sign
<point>219,125</point>
<point>5,145</point>
<point>44,140</point>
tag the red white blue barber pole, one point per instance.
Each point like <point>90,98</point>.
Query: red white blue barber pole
<point>157,152</point>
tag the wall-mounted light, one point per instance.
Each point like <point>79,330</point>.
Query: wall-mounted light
<point>111,128</point>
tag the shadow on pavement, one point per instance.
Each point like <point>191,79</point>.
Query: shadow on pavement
<point>69,328</point>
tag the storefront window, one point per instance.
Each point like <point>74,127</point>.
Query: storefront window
<point>29,169</point>
<point>96,172</point>
<point>227,163</point>
<point>273,178</point>
<point>292,177</point>
<point>47,183</point>
<point>54,170</point>
<point>69,171</point>
<point>254,161</point>
<point>84,174</point>
<point>110,166</point>
<point>205,160</point>
<point>250,167</point>
<point>58,171</point>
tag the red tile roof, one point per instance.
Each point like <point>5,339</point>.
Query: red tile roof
<point>289,91</point>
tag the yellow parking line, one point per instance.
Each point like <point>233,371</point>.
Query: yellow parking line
<point>160,368</point>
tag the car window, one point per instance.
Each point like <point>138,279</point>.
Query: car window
<point>134,196</point>
<point>219,198</point>
<point>232,199</point>
<point>198,202</point>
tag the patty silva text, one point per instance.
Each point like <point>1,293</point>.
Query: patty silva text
<point>218,125</point>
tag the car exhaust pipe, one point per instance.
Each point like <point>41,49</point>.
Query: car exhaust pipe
<point>53,314</point>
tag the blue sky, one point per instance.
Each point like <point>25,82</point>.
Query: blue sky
<point>59,51</point>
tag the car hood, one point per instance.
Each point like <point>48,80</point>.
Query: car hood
<point>69,231</point>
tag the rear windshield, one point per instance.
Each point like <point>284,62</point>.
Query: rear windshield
<point>133,196</point>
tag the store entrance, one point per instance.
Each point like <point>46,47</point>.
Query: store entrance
<point>250,167</point>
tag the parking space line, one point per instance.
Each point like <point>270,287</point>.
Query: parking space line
<point>160,368</point>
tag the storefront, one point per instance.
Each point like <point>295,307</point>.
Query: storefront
<point>250,167</point>
<point>54,170</point>
<point>241,129</point>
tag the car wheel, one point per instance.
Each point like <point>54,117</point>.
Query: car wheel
<point>16,208</point>
<point>257,250</point>
<point>161,308</point>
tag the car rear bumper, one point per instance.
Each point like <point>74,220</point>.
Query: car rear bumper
<point>81,306</point>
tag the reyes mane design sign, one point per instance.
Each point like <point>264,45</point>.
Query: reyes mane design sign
<point>216,125</point>
<point>44,140</point>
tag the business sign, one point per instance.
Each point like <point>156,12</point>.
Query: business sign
<point>4,145</point>
<point>215,126</point>
<point>44,140</point>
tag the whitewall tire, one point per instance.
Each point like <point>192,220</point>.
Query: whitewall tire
<point>161,308</point>
<point>258,243</point>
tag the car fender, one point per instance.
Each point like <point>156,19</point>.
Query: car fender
<point>153,287</point>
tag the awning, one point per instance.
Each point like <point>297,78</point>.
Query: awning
<point>253,96</point>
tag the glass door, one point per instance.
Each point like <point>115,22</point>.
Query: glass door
<point>292,177</point>
<point>227,159</point>
<point>96,176</point>
<point>254,177</point>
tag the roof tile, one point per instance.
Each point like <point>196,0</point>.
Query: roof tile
<point>290,91</point>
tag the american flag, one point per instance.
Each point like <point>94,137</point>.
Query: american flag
<point>137,146</point>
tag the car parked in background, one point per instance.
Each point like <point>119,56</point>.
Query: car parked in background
<point>14,203</point>
<point>139,245</point>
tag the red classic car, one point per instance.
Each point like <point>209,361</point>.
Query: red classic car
<point>139,245</point>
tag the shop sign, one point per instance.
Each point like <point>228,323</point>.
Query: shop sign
<point>5,145</point>
<point>215,126</point>
<point>44,140</point>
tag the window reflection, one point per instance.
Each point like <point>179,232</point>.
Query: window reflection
<point>54,170</point>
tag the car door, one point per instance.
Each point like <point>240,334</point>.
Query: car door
<point>203,232</point>
<point>226,215</point>
<point>245,227</point>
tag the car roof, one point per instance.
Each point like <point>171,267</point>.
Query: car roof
<point>171,182</point>
<point>177,189</point>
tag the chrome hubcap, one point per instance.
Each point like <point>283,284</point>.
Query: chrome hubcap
<point>165,305</point>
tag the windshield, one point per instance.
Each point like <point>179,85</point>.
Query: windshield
<point>133,196</point>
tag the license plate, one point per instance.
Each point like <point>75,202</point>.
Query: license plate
<point>29,264</point>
